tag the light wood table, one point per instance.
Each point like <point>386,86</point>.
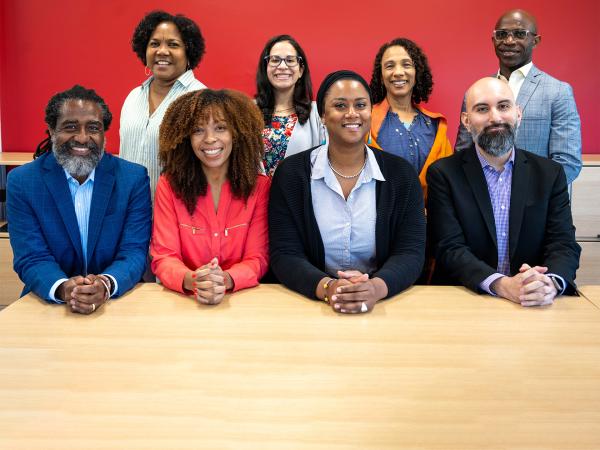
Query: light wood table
<point>592,293</point>
<point>434,368</point>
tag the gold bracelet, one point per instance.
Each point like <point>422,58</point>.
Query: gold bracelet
<point>325,287</point>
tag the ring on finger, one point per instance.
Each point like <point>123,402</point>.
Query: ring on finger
<point>363,307</point>
<point>93,307</point>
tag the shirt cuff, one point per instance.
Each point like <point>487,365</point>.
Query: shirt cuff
<point>560,284</point>
<point>115,284</point>
<point>486,284</point>
<point>52,293</point>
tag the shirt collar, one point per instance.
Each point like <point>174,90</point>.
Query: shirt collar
<point>523,70</point>
<point>91,177</point>
<point>185,79</point>
<point>484,163</point>
<point>321,169</point>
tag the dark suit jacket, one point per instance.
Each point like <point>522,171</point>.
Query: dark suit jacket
<point>462,227</point>
<point>43,226</point>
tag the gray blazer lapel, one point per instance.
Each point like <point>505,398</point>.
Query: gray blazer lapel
<point>530,84</point>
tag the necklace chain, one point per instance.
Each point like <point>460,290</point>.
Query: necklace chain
<point>347,177</point>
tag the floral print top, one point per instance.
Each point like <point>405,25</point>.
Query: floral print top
<point>276,137</point>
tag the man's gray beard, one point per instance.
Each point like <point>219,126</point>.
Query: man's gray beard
<point>77,166</point>
<point>496,143</point>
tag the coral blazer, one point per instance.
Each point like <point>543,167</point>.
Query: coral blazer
<point>236,234</point>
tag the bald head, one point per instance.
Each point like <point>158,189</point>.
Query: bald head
<point>519,17</point>
<point>486,89</point>
<point>491,116</point>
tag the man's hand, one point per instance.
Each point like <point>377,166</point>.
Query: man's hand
<point>530,287</point>
<point>83,295</point>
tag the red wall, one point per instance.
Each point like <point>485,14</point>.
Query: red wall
<point>47,46</point>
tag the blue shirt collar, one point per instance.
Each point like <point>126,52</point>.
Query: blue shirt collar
<point>90,177</point>
<point>484,163</point>
<point>321,169</point>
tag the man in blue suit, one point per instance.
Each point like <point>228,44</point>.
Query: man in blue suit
<point>79,218</point>
<point>550,123</point>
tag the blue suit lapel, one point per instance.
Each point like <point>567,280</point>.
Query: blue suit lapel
<point>530,84</point>
<point>56,183</point>
<point>476,179</point>
<point>103,186</point>
<point>518,196</point>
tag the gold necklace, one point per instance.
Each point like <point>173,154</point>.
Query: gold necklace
<point>347,177</point>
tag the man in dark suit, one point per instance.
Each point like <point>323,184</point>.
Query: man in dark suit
<point>550,123</point>
<point>79,218</point>
<point>499,217</point>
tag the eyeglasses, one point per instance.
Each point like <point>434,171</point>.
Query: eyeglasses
<point>290,60</point>
<point>519,35</point>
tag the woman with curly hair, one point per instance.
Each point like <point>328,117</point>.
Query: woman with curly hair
<point>284,94</point>
<point>170,47</point>
<point>210,211</point>
<point>401,80</point>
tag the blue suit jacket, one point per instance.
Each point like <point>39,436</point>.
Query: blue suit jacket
<point>43,226</point>
<point>550,125</point>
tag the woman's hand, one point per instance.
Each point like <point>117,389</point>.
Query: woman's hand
<point>209,283</point>
<point>355,293</point>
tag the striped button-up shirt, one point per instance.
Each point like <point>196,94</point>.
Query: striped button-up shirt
<point>139,130</point>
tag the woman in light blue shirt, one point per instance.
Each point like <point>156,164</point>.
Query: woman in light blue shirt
<point>170,47</point>
<point>346,223</point>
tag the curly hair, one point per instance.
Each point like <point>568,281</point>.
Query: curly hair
<point>423,78</point>
<point>265,97</point>
<point>55,104</point>
<point>190,33</point>
<point>181,165</point>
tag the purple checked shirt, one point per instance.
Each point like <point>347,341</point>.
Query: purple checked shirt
<point>499,188</point>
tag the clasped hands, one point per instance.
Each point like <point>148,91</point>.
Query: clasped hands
<point>209,283</point>
<point>84,295</point>
<point>530,287</point>
<point>352,290</point>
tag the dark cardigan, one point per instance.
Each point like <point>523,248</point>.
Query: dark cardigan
<point>296,247</point>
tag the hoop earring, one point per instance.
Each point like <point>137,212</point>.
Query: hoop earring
<point>147,71</point>
<point>188,66</point>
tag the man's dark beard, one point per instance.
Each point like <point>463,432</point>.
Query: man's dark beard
<point>496,143</point>
<point>77,166</point>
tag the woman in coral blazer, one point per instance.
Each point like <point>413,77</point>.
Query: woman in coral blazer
<point>210,212</point>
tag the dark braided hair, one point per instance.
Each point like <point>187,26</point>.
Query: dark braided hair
<point>190,34</point>
<point>423,77</point>
<point>180,164</point>
<point>53,112</point>
<point>265,97</point>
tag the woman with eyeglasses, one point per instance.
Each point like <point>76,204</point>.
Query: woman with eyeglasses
<point>401,80</point>
<point>346,222</point>
<point>284,95</point>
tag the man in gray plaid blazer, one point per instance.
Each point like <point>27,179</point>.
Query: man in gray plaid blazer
<point>550,123</point>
